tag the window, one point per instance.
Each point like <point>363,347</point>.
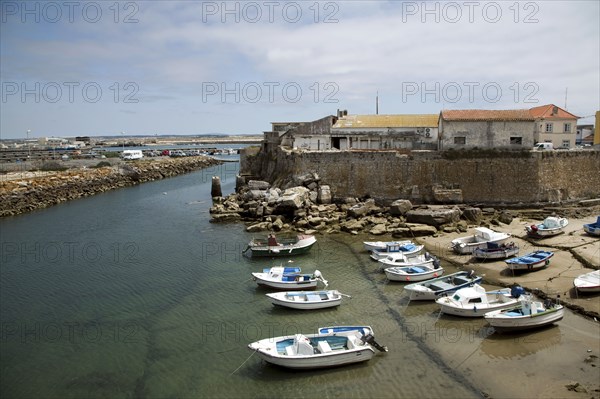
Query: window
<point>566,143</point>
<point>548,127</point>
<point>460,140</point>
<point>516,140</point>
<point>567,128</point>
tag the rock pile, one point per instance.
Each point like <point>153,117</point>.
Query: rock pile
<point>30,193</point>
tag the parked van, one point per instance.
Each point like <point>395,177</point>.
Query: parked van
<point>543,146</point>
<point>132,154</point>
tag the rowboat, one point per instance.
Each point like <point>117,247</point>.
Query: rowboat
<point>551,226</point>
<point>496,251</point>
<point>401,260</point>
<point>533,261</point>
<point>406,248</point>
<point>429,290</point>
<point>288,278</point>
<point>483,235</point>
<point>298,245</point>
<point>413,273</point>
<point>526,315</point>
<point>476,302</point>
<point>307,299</point>
<point>328,347</point>
<point>588,282</point>
<point>593,228</point>
<point>382,245</point>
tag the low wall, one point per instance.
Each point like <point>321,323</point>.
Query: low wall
<point>482,176</point>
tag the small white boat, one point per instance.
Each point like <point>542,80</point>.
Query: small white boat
<point>329,347</point>
<point>533,261</point>
<point>526,315</point>
<point>382,245</point>
<point>476,302</point>
<point>413,273</point>
<point>288,278</point>
<point>593,228</point>
<point>431,289</point>
<point>496,251</point>
<point>588,282</point>
<point>483,235</point>
<point>551,226</point>
<point>406,248</point>
<point>307,299</point>
<point>270,246</point>
<point>401,260</point>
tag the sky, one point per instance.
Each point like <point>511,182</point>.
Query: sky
<point>71,68</point>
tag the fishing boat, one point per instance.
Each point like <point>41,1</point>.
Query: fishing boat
<point>405,247</point>
<point>476,302</point>
<point>298,245</point>
<point>288,278</point>
<point>482,235</point>
<point>413,273</point>
<point>593,228</point>
<point>401,260</point>
<point>382,245</point>
<point>496,251</point>
<point>328,347</point>
<point>526,315</point>
<point>533,261</point>
<point>307,299</point>
<point>588,282</point>
<point>551,226</point>
<point>431,289</point>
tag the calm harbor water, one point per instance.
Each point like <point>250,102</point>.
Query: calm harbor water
<point>133,293</point>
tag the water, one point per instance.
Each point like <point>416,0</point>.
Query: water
<point>133,293</point>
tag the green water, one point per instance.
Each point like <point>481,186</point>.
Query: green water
<point>133,293</point>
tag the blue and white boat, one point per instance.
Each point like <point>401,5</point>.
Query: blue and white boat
<point>533,261</point>
<point>413,273</point>
<point>307,300</point>
<point>551,226</point>
<point>431,289</point>
<point>397,247</point>
<point>593,228</point>
<point>288,278</point>
<point>526,315</point>
<point>328,347</point>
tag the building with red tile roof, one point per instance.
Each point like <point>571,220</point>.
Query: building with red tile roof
<point>554,125</point>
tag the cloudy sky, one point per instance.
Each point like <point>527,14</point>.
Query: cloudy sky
<point>192,67</point>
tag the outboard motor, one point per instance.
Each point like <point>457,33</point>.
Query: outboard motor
<point>516,291</point>
<point>436,263</point>
<point>370,339</point>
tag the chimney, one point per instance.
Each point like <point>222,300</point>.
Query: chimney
<point>554,110</point>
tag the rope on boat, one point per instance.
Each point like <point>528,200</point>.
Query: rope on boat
<point>240,366</point>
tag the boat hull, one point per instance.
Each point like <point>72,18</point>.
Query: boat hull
<point>286,285</point>
<point>592,230</point>
<point>301,247</point>
<point>528,322</point>
<point>394,275</point>
<point>279,300</point>
<point>588,283</point>
<point>463,247</point>
<point>421,291</point>
<point>542,233</point>
<point>534,261</point>
<point>319,361</point>
<point>473,311</point>
<point>483,254</point>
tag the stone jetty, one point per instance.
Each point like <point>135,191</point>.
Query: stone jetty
<point>24,192</point>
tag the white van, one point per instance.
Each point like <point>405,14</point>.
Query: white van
<point>543,146</point>
<point>132,154</point>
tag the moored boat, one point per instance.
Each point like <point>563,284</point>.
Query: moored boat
<point>588,282</point>
<point>406,248</point>
<point>413,273</point>
<point>593,228</point>
<point>382,245</point>
<point>307,299</point>
<point>288,278</point>
<point>429,290</point>
<point>482,235</point>
<point>476,302</point>
<point>532,261</point>
<point>551,226</point>
<point>526,315</point>
<point>328,347</point>
<point>401,260</point>
<point>496,251</point>
<point>298,245</point>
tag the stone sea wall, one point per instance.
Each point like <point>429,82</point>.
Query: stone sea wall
<point>26,191</point>
<point>484,176</point>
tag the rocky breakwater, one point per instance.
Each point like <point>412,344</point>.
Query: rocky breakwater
<point>20,193</point>
<point>306,205</point>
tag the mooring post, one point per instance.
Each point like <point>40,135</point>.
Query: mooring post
<point>216,187</point>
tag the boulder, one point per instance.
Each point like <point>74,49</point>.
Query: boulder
<point>254,195</point>
<point>506,217</point>
<point>352,225</point>
<point>473,215</point>
<point>378,229</point>
<point>433,217</point>
<point>447,196</point>
<point>292,199</point>
<point>362,209</point>
<point>400,207</point>
<point>262,226</point>
<point>324,195</point>
<point>258,185</point>
<point>414,230</point>
<point>278,224</point>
